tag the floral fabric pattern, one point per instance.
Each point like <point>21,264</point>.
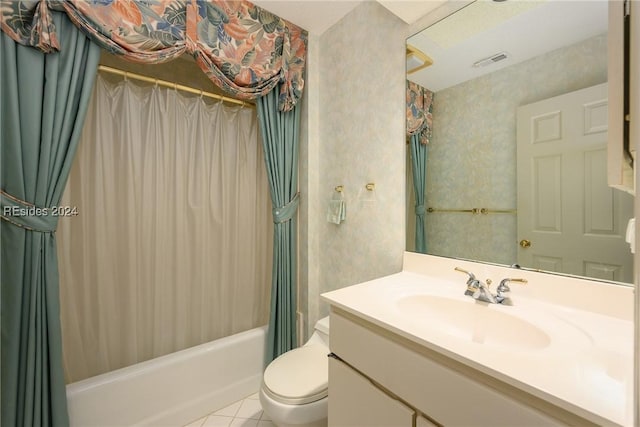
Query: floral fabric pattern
<point>419,111</point>
<point>242,48</point>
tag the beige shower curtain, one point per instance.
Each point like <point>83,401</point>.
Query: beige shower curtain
<point>171,244</point>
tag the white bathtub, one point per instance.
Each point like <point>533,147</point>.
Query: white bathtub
<point>175,389</point>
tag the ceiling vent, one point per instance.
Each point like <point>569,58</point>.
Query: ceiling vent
<point>491,60</point>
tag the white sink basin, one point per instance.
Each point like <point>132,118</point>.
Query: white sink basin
<point>479,323</point>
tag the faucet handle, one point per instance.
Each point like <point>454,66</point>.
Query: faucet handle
<point>503,287</point>
<point>471,275</point>
<point>502,293</point>
<point>472,283</point>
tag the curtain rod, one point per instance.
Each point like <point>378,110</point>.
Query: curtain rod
<point>175,86</point>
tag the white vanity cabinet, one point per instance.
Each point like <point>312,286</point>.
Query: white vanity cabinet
<point>355,401</point>
<point>378,372</point>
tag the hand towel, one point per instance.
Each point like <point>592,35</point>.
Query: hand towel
<point>337,211</point>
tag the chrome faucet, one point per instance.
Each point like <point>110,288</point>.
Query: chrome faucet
<point>504,291</point>
<point>480,291</point>
<point>484,294</point>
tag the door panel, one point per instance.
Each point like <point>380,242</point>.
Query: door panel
<point>574,220</point>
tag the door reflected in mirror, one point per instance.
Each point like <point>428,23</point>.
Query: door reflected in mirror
<point>516,164</point>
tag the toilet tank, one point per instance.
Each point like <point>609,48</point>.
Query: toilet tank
<point>321,333</point>
<point>322,325</point>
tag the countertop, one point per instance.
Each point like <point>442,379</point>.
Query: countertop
<point>582,361</point>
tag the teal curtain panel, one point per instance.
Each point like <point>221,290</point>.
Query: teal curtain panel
<point>419,171</point>
<point>419,128</point>
<point>280,139</point>
<point>42,108</point>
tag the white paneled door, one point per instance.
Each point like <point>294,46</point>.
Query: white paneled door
<point>569,220</point>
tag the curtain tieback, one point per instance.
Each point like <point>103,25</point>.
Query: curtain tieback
<point>286,212</point>
<point>27,215</point>
<point>420,210</point>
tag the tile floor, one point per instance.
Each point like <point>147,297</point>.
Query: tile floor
<point>244,413</point>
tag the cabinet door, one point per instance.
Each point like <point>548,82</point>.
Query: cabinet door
<point>620,173</point>
<point>355,401</point>
<point>423,422</point>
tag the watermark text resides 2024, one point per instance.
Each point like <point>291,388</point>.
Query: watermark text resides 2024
<point>17,211</point>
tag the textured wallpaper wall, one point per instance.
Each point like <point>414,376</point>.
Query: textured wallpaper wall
<point>353,135</point>
<point>472,157</point>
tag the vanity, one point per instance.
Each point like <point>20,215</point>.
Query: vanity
<point>411,349</point>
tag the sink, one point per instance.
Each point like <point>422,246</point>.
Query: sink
<point>479,323</point>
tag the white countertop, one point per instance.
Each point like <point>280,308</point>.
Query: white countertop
<point>582,361</point>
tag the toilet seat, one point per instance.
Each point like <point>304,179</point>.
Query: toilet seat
<point>299,376</point>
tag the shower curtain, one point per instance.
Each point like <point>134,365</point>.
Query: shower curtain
<point>171,244</point>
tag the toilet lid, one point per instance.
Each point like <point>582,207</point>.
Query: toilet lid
<point>298,376</point>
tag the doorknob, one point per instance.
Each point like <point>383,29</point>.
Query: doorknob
<point>525,243</point>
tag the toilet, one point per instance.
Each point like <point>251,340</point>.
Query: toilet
<point>295,385</point>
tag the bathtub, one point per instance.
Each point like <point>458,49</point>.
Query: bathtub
<point>175,389</point>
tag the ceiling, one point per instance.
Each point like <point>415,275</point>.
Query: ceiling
<point>522,29</point>
<point>411,11</point>
<point>318,16</point>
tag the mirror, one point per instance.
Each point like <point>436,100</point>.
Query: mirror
<point>489,60</point>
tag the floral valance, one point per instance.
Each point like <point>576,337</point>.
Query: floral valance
<point>419,111</point>
<point>242,48</point>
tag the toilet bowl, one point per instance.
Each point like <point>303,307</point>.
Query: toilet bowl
<point>295,385</point>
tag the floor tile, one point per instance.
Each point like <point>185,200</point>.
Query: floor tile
<point>229,411</point>
<point>250,408</point>
<point>243,413</point>
<point>265,417</point>
<point>244,422</point>
<point>217,421</point>
<point>197,423</point>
